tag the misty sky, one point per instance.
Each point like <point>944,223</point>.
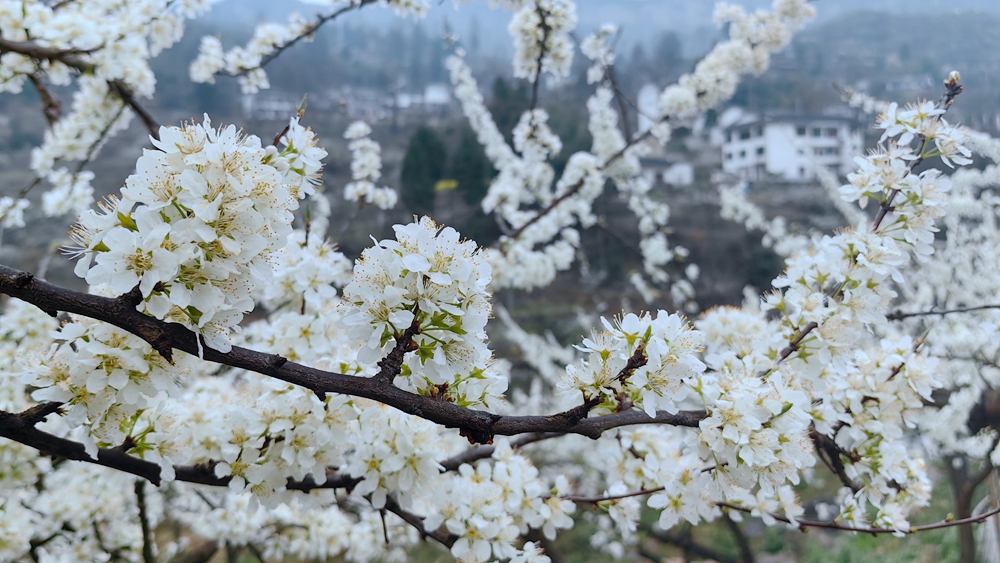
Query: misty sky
<point>640,19</point>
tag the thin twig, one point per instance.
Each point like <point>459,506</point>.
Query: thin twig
<point>803,524</point>
<point>311,29</point>
<point>546,30</point>
<point>899,315</point>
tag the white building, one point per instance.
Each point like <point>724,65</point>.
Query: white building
<point>790,147</point>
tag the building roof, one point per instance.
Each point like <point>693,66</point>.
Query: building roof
<point>789,117</point>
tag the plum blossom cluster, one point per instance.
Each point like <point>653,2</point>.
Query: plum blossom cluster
<point>541,31</point>
<point>246,61</point>
<point>12,211</point>
<point>296,530</point>
<point>735,206</point>
<point>366,169</point>
<point>644,361</point>
<point>596,48</point>
<point>198,221</point>
<point>106,378</point>
<point>958,274</point>
<point>490,505</point>
<point>752,40</point>
<point>306,272</point>
<point>840,285</point>
<point>104,47</point>
<point>269,39</point>
<point>204,231</point>
<point>542,211</point>
<point>429,287</point>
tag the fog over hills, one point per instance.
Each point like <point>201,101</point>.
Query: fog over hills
<point>642,19</point>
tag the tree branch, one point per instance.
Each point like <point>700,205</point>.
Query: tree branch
<point>50,105</point>
<point>803,524</point>
<point>572,190</point>
<point>71,58</point>
<point>477,426</point>
<point>687,544</point>
<point>546,29</point>
<point>126,95</point>
<point>741,539</point>
<point>830,453</point>
<point>20,427</point>
<point>311,29</point>
<point>391,365</point>
<point>899,315</point>
<point>442,537</point>
<point>147,533</point>
<point>482,452</point>
<point>953,89</point>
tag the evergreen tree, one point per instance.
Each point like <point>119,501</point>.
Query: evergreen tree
<point>470,168</point>
<point>507,105</point>
<point>423,166</point>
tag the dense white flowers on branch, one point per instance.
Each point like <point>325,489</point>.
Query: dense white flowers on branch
<point>197,222</point>
<point>104,47</point>
<point>542,43</point>
<point>542,211</point>
<point>366,169</point>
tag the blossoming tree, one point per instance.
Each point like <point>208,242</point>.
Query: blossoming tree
<point>366,411</point>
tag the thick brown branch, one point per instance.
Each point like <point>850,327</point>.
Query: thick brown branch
<point>70,58</point>
<point>478,426</point>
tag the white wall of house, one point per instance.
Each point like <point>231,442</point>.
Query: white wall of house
<point>790,149</point>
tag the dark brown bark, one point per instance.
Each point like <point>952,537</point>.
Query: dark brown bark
<point>478,426</point>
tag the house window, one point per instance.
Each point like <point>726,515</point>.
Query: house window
<point>745,134</point>
<point>760,150</point>
<point>729,156</point>
<point>817,132</point>
<point>831,131</point>
<point>800,131</point>
<point>743,154</point>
